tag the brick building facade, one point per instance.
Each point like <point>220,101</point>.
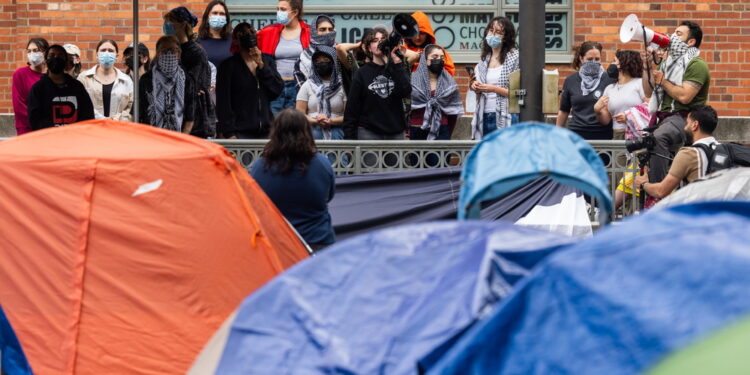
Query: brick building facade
<point>726,26</point>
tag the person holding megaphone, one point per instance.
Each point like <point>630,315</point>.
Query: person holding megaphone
<point>680,82</point>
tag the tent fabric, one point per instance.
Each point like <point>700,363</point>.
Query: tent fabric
<point>722,353</point>
<point>514,156</point>
<point>378,302</point>
<point>12,359</point>
<point>367,202</point>
<point>125,246</point>
<point>725,185</point>
<point>620,302</point>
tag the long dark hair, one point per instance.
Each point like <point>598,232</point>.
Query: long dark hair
<point>369,37</point>
<point>204,31</point>
<point>581,51</point>
<point>291,143</point>
<point>509,39</point>
<point>630,62</point>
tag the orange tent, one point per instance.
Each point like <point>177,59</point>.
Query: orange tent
<point>125,247</point>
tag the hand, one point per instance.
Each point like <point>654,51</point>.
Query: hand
<point>475,86</point>
<point>257,56</point>
<point>326,123</point>
<point>233,137</point>
<point>201,92</point>
<point>641,180</point>
<point>620,117</point>
<point>658,77</point>
<point>320,117</point>
<point>395,57</point>
<point>602,103</point>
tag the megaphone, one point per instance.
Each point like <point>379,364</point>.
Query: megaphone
<point>404,26</point>
<point>632,29</point>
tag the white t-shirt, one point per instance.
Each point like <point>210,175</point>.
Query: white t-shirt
<point>493,77</point>
<point>338,101</point>
<point>622,98</point>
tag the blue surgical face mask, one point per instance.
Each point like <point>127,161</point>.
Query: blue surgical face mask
<point>493,41</point>
<point>168,29</point>
<point>283,17</point>
<point>107,59</point>
<point>217,22</point>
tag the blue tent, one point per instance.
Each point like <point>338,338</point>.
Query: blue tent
<point>376,303</point>
<point>12,359</point>
<point>618,303</point>
<point>515,156</point>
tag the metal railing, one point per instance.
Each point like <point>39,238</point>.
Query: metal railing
<point>358,157</point>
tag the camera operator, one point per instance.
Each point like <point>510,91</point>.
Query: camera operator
<point>690,163</point>
<point>681,82</point>
<point>374,109</point>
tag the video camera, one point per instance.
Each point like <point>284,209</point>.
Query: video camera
<point>647,141</point>
<point>404,26</point>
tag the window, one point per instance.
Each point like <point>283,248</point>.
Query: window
<point>458,24</point>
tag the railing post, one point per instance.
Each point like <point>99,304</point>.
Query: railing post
<point>357,160</point>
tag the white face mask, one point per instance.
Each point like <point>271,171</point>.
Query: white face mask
<point>35,58</point>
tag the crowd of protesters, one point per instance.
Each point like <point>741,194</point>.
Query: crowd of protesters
<point>233,82</point>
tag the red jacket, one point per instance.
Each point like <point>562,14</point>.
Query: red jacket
<point>269,36</point>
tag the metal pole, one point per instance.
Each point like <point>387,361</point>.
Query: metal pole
<point>531,20</point>
<point>136,63</point>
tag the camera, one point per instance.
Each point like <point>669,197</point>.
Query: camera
<point>404,26</point>
<point>647,141</point>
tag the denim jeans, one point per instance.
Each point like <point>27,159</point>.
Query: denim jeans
<point>489,124</point>
<point>336,133</point>
<point>287,98</point>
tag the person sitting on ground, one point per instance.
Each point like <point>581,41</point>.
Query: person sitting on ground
<point>298,179</point>
<point>690,163</point>
<point>58,99</point>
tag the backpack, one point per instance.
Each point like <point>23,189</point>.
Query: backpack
<point>725,155</point>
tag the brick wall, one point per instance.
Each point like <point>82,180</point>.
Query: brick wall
<point>726,43</point>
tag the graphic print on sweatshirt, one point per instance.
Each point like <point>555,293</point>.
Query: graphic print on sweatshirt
<point>382,86</point>
<point>64,110</point>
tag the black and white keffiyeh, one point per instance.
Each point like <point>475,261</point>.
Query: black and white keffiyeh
<point>680,55</point>
<point>510,65</point>
<point>447,99</point>
<point>168,97</point>
<point>591,74</point>
<point>303,67</point>
<point>326,90</point>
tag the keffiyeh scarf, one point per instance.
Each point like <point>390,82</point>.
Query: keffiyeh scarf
<point>447,99</point>
<point>510,65</point>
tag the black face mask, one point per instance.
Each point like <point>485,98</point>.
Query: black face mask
<point>436,66</point>
<point>56,65</point>
<point>613,72</point>
<point>248,41</point>
<point>323,69</point>
<point>129,62</point>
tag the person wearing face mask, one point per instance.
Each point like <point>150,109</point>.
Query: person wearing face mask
<point>201,121</point>
<point>690,163</point>
<point>163,89</point>
<point>491,78</point>
<point>246,83</point>
<point>435,99</point>
<point>425,37</point>
<point>111,90</point>
<point>324,34</point>
<point>582,90</point>
<point>144,60</point>
<point>322,96</point>
<point>58,99</point>
<point>375,108</point>
<point>681,82</point>
<point>24,78</point>
<point>285,41</point>
<point>215,32</point>
<point>74,53</point>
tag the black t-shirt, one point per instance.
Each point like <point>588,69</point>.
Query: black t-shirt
<point>107,97</point>
<point>581,107</point>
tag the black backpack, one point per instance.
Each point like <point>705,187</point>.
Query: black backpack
<point>725,155</point>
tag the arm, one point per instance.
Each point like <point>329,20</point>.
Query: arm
<point>224,112</point>
<point>602,111</point>
<point>342,49</point>
<point>564,112</point>
<point>402,85</point>
<point>353,107</point>
<point>85,106</point>
<point>269,78</point>
<point>659,189</point>
<point>302,107</point>
<point>126,114</point>
<point>683,94</point>
<point>36,119</point>
<point>144,102</point>
<point>562,118</point>
<point>188,116</point>
<point>19,101</point>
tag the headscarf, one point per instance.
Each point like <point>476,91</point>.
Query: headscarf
<point>168,97</point>
<point>325,91</point>
<point>304,65</point>
<point>185,15</point>
<point>447,99</point>
<point>503,118</point>
<point>591,73</point>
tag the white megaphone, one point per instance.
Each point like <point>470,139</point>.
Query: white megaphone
<point>632,29</point>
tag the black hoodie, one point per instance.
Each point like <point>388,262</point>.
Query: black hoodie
<point>375,100</point>
<point>52,105</point>
<point>243,100</point>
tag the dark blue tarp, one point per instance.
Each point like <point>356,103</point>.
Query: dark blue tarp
<point>12,359</point>
<point>373,201</point>
<point>376,303</point>
<point>618,303</point>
